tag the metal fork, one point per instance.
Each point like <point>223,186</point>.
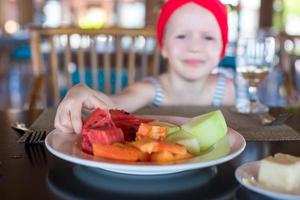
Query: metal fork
<point>29,136</point>
<point>36,154</point>
<point>33,137</point>
<point>36,137</point>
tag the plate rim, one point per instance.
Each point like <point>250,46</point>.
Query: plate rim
<point>148,169</point>
<point>260,190</point>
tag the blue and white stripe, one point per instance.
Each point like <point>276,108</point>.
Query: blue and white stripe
<point>220,91</point>
<point>159,92</point>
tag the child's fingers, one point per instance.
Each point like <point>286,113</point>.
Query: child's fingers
<point>64,121</point>
<point>91,102</point>
<point>57,123</point>
<point>75,115</point>
<point>56,117</point>
<point>68,116</point>
<point>94,102</point>
<point>64,129</point>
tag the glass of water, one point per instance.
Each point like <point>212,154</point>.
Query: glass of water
<point>254,61</point>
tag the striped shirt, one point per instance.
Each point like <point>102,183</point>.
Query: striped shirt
<point>219,92</point>
<point>159,92</point>
<point>218,96</point>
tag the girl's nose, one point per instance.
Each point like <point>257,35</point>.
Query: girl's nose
<point>195,45</point>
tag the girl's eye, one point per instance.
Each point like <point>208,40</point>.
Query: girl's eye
<point>209,38</point>
<point>181,36</point>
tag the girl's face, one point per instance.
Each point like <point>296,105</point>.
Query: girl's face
<point>192,42</point>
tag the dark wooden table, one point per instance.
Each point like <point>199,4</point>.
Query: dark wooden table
<point>33,173</point>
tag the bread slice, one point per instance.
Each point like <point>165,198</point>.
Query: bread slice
<point>281,172</point>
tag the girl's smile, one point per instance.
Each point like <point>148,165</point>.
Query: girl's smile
<point>193,62</point>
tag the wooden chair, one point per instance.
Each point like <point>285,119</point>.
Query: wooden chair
<point>57,51</point>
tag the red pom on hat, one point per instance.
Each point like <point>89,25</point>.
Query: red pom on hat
<point>214,6</point>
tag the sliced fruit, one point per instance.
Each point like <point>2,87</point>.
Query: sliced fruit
<point>129,128</point>
<point>117,151</point>
<point>208,128</point>
<point>129,123</point>
<point>218,150</point>
<point>165,156</point>
<point>171,127</point>
<point>146,145</point>
<point>187,140</point>
<point>144,157</point>
<point>86,145</point>
<point>98,119</point>
<point>121,115</point>
<point>151,131</point>
<point>191,144</point>
<point>104,135</point>
<point>143,130</point>
<point>149,145</point>
<point>187,155</point>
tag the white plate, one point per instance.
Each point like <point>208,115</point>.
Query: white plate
<point>67,147</point>
<point>247,174</point>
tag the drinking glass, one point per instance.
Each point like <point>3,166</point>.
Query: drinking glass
<point>254,61</point>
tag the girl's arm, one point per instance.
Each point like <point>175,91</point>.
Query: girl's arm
<point>134,97</point>
<point>68,114</point>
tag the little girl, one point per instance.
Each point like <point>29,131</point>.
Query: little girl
<point>192,35</point>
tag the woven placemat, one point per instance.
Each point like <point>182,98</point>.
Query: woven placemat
<point>249,125</point>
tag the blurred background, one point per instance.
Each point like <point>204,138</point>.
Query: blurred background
<point>21,21</point>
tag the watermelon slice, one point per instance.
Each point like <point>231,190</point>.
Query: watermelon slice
<point>109,126</point>
<point>129,123</point>
<point>86,145</point>
<point>120,115</point>
<point>129,128</point>
<point>105,135</point>
<point>100,136</point>
<point>98,119</point>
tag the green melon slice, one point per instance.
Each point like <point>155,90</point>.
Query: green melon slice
<point>218,150</point>
<point>187,140</point>
<point>208,128</point>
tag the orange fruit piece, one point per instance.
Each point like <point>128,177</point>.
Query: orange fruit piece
<point>118,151</point>
<point>165,156</point>
<point>151,131</point>
<point>148,145</point>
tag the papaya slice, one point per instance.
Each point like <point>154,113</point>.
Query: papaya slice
<point>163,156</point>
<point>117,151</point>
<point>166,156</point>
<point>152,131</point>
<point>149,145</point>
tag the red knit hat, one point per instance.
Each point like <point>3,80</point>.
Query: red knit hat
<point>214,6</point>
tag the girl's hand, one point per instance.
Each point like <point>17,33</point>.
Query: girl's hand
<point>68,114</point>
